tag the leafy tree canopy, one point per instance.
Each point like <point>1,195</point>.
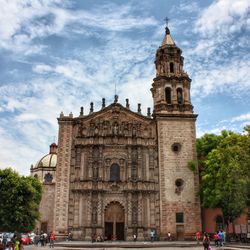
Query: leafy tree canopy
<point>225,172</point>
<point>19,201</point>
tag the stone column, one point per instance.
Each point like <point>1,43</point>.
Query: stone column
<point>76,210</point>
<point>83,171</point>
<point>146,165</point>
<point>129,164</point>
<point>62,176</point>
<point>90,164</point>
<point>152,210</point>
<point>174,93</point>
<point>139,163</point>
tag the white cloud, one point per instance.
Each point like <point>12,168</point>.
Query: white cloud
<point>17,154</point>
<point>42,68</point>
<point>23,21</point>
<point>213,78</point>
<point>223,17</point>
<point>244,117</point>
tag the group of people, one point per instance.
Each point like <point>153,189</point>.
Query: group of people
<point>97,238</point>
<point>219,239</point>
<point>14,244</point>
<point>44,239</point>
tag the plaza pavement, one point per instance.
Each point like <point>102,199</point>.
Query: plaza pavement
<point>174,245</point>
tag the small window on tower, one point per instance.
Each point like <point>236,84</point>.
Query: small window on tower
<point>168,95</point>
<point>171,66</point>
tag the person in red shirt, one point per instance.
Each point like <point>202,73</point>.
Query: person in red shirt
<point>197,237</point>
<point>51,240</point>
<point>216,239</point>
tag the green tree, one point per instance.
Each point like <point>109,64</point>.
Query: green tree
<point>19,201</point>
<point>225,178</point>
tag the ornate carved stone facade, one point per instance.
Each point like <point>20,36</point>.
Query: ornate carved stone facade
<point>113,167</point>
<point>121,173</point>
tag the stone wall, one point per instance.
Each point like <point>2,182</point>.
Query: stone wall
<point>176,138</point>
<point>46,207</point>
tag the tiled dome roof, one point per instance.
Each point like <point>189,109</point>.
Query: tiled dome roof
<point>47,161</point>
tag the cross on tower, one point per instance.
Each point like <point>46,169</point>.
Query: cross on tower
<point>166,20</point>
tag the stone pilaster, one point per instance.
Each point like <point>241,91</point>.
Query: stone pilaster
<point>62,176</point>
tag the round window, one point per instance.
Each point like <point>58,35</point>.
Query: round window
<point>176,147</point>
<point>179,183</point>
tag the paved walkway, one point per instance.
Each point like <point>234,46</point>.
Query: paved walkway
<point>83,245</point>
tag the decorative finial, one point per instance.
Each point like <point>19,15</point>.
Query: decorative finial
<point>149,112</point>
<point>116,99</point>
<point>167,29</point>
<point>91,107</point>
<point>127,103</point>
<point>139,108</point>
<point>81,111</point>
<point>103,103</point>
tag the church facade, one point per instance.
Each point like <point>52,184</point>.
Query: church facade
<point>119,172</point>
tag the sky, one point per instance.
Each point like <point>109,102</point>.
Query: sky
<point>59,55</point>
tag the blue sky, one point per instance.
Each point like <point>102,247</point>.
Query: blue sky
<point>59,55</point>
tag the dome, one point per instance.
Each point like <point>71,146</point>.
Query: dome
<point>49,160</point>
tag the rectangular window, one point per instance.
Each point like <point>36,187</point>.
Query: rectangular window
<point>179,218</point>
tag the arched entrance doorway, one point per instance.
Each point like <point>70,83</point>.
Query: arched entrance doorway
<point>114,221</point>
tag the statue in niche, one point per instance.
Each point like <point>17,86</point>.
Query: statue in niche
<point>134,131</point>
<point>92,129</point>
<point>126,129</point>
<point>134,172</point>
<point>134,213</point>
<point>96,130</point>
<point>134,155</point>
<point>95,171</point>
<point>122,129</point>
<point>115,128</point>
<point>94,215</point>
<point>105,128</point>
<point>145,132</point>
<point>82,130</point>
<point>179,96</point>
<point>101,128</point>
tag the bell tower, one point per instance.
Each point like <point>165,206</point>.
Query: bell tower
<point>171,87</point>
<point>173,112</point>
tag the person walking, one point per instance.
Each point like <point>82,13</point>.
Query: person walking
<point>216,239</point>
<point>197,237</point>
<point>17,243</point>
<point>134,237</point>
<point>152,235</point>
<point>206,241</point>
<point>220,236</point>
<point>51,240</point>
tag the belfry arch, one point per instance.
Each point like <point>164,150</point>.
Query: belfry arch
<point>114,219</point>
